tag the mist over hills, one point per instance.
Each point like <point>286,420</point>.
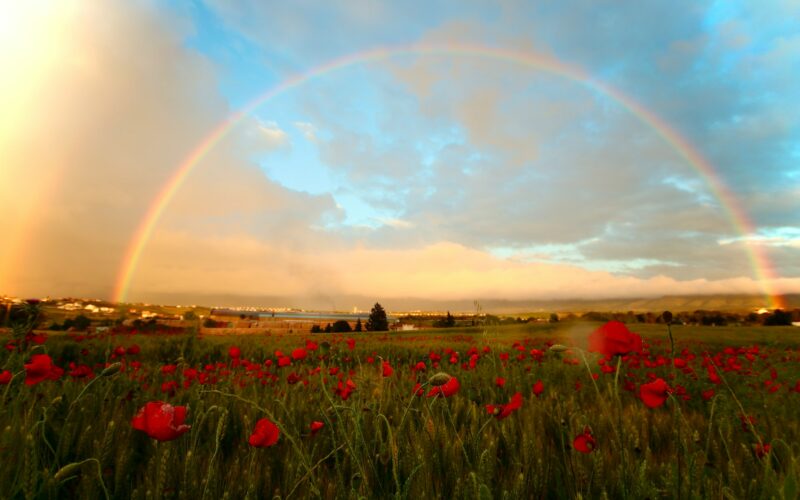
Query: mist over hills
<point>676,303</point>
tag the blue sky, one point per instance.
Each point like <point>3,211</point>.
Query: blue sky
<point>504,166</point>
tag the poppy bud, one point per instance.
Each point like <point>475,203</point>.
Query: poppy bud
<point>440,378</point>
<point>111,369</point>
<point>558,348</point>
<point>67,470</point>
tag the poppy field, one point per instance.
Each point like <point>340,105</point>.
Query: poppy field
<point>568,410</point>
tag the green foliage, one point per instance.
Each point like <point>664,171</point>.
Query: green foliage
<point>341,326</point>
<point>73,439</point>
<point>377,321</point>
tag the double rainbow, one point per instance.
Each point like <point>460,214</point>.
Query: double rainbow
<point>764,271</point>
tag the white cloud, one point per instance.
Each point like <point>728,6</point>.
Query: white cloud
<point>274,136</point>
<point>308,129</point>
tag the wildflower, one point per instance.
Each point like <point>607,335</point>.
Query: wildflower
<point>499,381</point>
<point>134,349</point>
<point>585,442</point>
<point>538,388</point>
<point>80,371</point>
<point>444,385</point>
<point>387,369</point>
<point>234,352</point>
<point>299,354</point>
<point>762,451</point>
<point>344,390</point>
<point>316,426</point>
<point>40,368</point>
<point>161,421</point>
<point>5,377</point>
<point>614,338</point>
<point>655,393</point>
<point>169,387</point>
<point>265,434</point>
<point>502,411</point>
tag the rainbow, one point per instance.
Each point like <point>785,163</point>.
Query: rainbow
<point>763,269</point>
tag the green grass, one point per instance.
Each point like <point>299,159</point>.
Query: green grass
<point>385,442</point>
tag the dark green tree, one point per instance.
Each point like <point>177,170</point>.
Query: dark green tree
<point>341,326</point>
<point>358,327</point>
<point>82,322</point>
<point>377,321</point>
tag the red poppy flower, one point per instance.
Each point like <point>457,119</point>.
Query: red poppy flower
<point>316,426</point>
<point>614,338</point>
<point>41,368</point>
<point>37,339</point>
<point>344,390</point>
<point>418,390</point>
<point>161,421</point>
<point>351,344</point>
<point>420,367</point>
<point>5,377</point>
<point>387,369</point>
<point>311,346</point>
<point>167,369</point>
<point>448,389</point>
<point>169,387</point>
<point>499,381</point>
<point>502,411</point>
<point>284,361</point>
<point>299,354</point>
<point>234,352</point>
<point>762,451</point>
<point>655,393</point>
<point>80,371</point>
<point>120,350</point>
<point>265,434</point>
<point>134,349</point>
<point>538,388</point>
<point>585,442</point>
<point>707,395</point>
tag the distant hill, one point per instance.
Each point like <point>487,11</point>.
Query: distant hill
<point>677,303</point>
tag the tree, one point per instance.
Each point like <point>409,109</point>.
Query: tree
<point>341,326</point>
<point>82,322</point>
<point>316,329</point>
<point>358,327</point>
<point>447,322</point>
<point>553,318</point>
<point>779,318</point>
<point>377,321</point>
<point>189,316</point>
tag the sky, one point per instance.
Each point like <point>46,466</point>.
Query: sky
<point>399,149</point>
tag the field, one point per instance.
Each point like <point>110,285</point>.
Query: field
<point>723,423</point>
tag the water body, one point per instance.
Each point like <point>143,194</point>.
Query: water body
<point>299,315</point>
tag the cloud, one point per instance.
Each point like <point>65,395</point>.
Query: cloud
<point>455,157</point>
<point>273,135</point>
<point>308,130</point>
<point>84,159</point>
<point>442,270</point>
